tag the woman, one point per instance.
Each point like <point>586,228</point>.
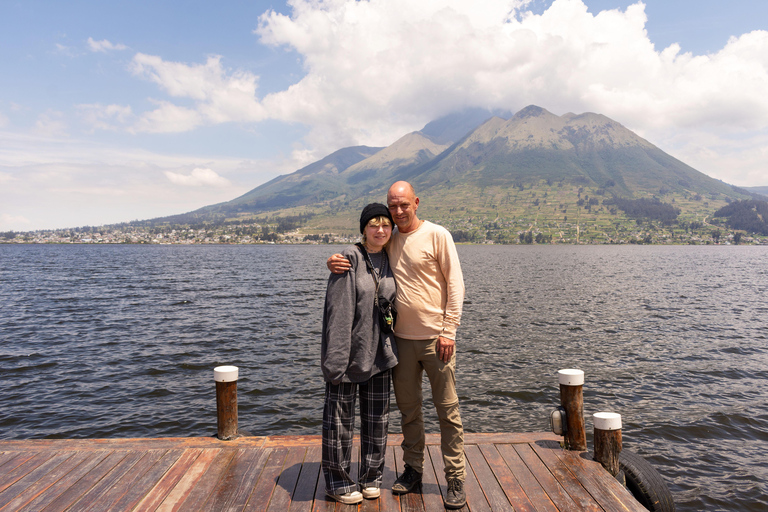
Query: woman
<point>357,355</point>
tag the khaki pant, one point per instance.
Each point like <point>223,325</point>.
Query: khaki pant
<point>415,357</point>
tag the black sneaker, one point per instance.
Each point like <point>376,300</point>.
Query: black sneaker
<point>409,480</point>
<point>455,497</point>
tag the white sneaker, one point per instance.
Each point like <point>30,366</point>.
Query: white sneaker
<point>371,493</point>
<point>350,498</point>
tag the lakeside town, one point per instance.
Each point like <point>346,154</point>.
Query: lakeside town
<point>262,234</point>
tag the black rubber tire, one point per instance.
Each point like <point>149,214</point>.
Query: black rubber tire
<point>645,483</point>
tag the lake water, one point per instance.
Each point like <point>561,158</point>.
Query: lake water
<point>121,341</point>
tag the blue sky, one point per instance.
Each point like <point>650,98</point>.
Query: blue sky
<point>116,111</point>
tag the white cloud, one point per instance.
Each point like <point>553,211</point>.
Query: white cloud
<point>64,50</point>
<point>199,177</point>
<point>3,120</point>
<point>51,124</point>
<point>105,117</point>
<point>104,46</point>
<point>218,95</point>
<point>168,118</point>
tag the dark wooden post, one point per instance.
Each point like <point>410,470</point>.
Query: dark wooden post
<point>572,400</point>
<point>226,401</point>
<point>608,440</point>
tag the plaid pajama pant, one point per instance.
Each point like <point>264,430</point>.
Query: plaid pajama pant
<point>339,427</point>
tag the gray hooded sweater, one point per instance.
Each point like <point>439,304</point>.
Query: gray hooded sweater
<point>353,347</point>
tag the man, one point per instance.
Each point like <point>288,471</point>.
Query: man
<point>430,294</point>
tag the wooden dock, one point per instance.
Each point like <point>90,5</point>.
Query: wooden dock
<point>521,472</point>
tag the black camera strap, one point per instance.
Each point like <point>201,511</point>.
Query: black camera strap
<point>376,273</point>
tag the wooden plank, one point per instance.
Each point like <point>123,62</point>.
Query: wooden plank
<point>206,485</point>
<point>168,443</point>
<point>549,455</point>
<point>31,478</point>
<point>20,467</point>
<point>309,479</point>
<point>163,443</point>
<point>179,493</point>
<point>84,484</point>
<point>494,494</point>
<point>603,487</point>
<point>286,482</point>
<point>291,441</point>
<point>543,477</point>
<point>506,479</point>
<point>505,437</point>
<point>128,480</point>
<point>263,490</point>
<point>42,484</point>
<point>146,482</point>
<point>7,457</point>
<point>67,480</point>
<point>168,480</point>
<point>565,479</point>
<point>236,484</point>
<point>94,495</point>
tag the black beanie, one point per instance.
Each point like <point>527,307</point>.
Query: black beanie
<point>374,210</point>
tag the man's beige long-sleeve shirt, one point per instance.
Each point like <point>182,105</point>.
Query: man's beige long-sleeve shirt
<point>430,284</point>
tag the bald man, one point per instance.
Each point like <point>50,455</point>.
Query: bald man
<point>430,295</point>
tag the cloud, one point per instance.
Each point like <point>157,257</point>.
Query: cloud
<point>51,124</point>
<point>374,68</point>
<point>104,46</point>
<point>218,95</point>
<point>199,177</point>
<point>7,220</point>
<point>168,118</point>
<point>105,117</point>
<point>65,50</point>
<point>56,182</point>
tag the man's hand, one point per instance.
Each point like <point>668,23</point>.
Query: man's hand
<point>445,348</point>
<point>338,264</point>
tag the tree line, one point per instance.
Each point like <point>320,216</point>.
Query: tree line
<point>749,215</point>
<point>651,209</point>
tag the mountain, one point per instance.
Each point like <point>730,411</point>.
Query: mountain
<point>587,149</point>
<point>758,190</point>
<point>492,175</point>
<point>347,173</point>
<point>453,127</point>
<point>314,183</point>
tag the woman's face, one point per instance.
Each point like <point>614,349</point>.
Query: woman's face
<point>377,236</point>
